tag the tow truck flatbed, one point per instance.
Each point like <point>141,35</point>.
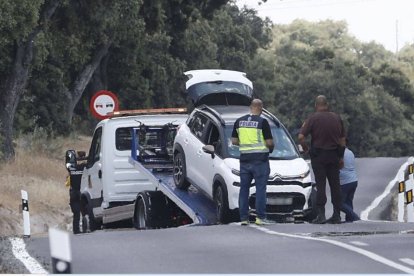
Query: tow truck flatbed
<point>195,204</point>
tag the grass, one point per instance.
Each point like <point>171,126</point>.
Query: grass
<point>39,169</point>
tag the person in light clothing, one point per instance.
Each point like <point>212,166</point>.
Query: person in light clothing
<point>349,181</point>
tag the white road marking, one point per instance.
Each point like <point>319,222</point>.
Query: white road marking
<point>361,251</point>
<point>407,261</point>
<point>376,202</point>
<point>359,243</point>
<point>20,253</point>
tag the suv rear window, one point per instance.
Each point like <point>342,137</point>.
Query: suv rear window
<point>220,93</point>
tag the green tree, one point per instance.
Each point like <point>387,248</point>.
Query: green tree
<point>20,25</point>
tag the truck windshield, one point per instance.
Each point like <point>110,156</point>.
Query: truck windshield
<point>284,148</point>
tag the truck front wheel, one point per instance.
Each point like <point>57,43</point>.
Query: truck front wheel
<point>142,214</point>
<point>89,223</point>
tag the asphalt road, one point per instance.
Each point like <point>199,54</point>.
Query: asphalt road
<point>359,247</point>
<point>278,248</point>
<point>374,174</point>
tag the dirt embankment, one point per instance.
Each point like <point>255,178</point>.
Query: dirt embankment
<point>38,169</point>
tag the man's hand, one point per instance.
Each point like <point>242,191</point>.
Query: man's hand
<point>235,141</point>
<point>341,163</point>
<point>270,145</point>
<point>302,142</point>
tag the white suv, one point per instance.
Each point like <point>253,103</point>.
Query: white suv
<point>205,157</point>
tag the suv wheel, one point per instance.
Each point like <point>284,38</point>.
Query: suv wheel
<point>222,205</point>
<point>180,172</point>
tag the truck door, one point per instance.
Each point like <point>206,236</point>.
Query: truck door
<point>92,176</point>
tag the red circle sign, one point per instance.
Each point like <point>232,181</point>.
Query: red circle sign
<point>102,103</point>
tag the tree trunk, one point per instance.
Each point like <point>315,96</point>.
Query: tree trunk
<point>100,77</point>
<point>83,79</point>
<point>15,83</point>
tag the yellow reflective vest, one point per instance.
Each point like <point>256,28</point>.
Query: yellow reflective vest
<point>251,138</point>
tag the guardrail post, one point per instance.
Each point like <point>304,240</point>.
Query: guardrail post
<point>401,199</point>
<point>409,191</point>
<point>60,251</point>
<point>26,216</point>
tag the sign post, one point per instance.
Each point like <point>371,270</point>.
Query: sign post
<point>26,216</point>
<point>60,251</point>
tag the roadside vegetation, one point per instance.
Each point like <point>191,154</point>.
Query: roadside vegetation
<point>56,54</point>
<point>139,49</point>
<point>39,169</point>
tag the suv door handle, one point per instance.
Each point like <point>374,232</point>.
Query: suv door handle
<point>100,174</point>
<point>186,141</point>
<point>199,153</point>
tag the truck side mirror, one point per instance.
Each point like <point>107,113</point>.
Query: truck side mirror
<point>209,149</point>
<point>70,159</point>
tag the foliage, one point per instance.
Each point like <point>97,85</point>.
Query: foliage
<point>362,82</point>
<point>152,42</point>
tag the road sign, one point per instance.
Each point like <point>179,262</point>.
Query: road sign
<point>102,103</point>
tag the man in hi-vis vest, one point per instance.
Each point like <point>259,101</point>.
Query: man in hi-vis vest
<point>253,136</point>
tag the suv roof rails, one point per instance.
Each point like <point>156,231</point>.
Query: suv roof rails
<point>273,117</point>
<point>212,111</point>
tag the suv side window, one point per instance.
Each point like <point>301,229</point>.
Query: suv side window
<point>213,138</point>
<point>95,149</point>
<point>198,125</point>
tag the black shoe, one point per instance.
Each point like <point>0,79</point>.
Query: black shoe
<point>335,219</point>
<point>320,219</point>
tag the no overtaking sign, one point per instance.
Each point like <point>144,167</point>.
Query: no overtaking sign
<point>102,103</point>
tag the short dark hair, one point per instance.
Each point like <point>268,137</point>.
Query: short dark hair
<point>321,100</point>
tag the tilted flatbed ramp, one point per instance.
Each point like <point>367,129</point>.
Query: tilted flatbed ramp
<point>195,204</point>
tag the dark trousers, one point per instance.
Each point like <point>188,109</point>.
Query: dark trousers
<point>259,171</point>
<point>348,191</point>
<point>325,165</point>
<point>74,202</point>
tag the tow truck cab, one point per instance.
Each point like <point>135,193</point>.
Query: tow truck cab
<point>110,183</point>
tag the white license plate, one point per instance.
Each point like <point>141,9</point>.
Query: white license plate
<point>279,201</point>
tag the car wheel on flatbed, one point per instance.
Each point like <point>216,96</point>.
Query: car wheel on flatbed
<point>180,171</point>
<point>222,205</point>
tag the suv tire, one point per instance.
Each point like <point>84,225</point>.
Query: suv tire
<point>222,205</point>
<point>180,172</point>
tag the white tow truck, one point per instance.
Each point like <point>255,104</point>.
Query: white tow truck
<point>128,175</point>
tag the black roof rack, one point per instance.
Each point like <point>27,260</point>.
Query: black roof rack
<point>273,117</point>
<point>212,111</point>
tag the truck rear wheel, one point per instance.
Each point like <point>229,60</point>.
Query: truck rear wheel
<point>142,215</point>
<point>180,171</point>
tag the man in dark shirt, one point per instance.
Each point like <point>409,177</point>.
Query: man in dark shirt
<point>253,136</point>
<point>326,152</point>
